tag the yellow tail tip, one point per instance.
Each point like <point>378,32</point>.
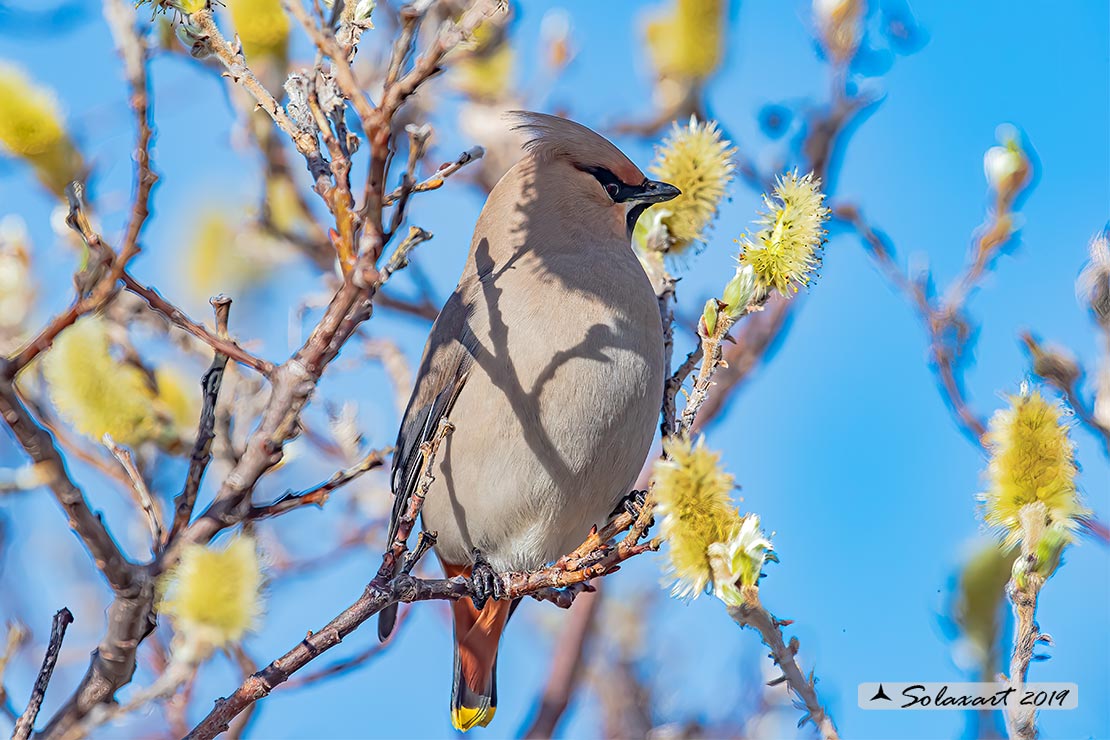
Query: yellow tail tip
<point>464,718</point>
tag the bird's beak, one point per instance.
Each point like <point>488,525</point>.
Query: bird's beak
<point>653,191</point>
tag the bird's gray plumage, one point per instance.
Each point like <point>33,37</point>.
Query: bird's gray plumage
<point>555,329</point>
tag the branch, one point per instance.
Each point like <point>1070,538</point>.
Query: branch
<point>140,489</point>
<point>237,70</point>
<point>39,446</point>
<point>318,495</point>
<point>201,455</point>
<point>26,723</point>
<point>566,667</point>
<point>437,180</point>
<point>938,321</point>
<point>1021,720</point>
<point>752,614</point>
<point>221,343</point>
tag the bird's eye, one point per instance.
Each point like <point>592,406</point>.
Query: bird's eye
<point>613,189</point>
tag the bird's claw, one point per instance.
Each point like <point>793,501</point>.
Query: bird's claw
<point>632,504</point>
<point>485,583</point>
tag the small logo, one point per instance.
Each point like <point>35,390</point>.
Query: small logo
<point>880,694</point>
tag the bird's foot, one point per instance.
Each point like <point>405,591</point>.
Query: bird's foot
<point>485,583</point>
<point>633,504</point>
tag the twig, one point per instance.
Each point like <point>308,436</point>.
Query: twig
<point>142,492</point>
<point>206,427</point>
<point>133,50</point>
<point>437,180</point>
<point>238,71</point>
<point>318,495</point>
<point>1020,719</point>
<point>752,614</point>
<point>354,662</point>
<point>221,342</point>
<point>26,723</point>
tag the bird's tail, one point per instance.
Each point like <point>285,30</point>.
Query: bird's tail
<point>387,618</point>
<point>477,634</point>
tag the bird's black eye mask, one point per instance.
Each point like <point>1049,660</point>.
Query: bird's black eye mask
<point>614,187</point>
<point>643,195</point>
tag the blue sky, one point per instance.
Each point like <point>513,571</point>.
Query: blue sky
<point>841,442</point>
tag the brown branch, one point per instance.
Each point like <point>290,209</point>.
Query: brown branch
<point>354,662</point>
<point>221,342</point>
<point>566,666</point>
<point>26,723</point>
<point>40,447</point>
<point>751,613</point>
<point>140,490</point>
<point>318,495</point>
<point>201,455</point>
<point>237,70</point>
<point>132,49</point>
<point>401,589</point>
<point>437,180</point>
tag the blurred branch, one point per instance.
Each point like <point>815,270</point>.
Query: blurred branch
<point>1063,373</point>
<point>26,723</point>
<point>566,666</point>
<point>98,286</point>
<point>142,492</point>
<point>751,613</point>
<point>943,323</point>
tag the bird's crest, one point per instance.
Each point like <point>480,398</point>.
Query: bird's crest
<point>552,137</point>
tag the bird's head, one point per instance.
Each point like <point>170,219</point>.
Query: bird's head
<point>592,166</point>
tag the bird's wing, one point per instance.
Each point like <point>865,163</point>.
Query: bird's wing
<point>442,375</point>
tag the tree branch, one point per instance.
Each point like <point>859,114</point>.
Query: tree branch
<point>26,723</point>
<point>752,614</point>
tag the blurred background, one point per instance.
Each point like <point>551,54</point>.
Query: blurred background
<point>839,433</point>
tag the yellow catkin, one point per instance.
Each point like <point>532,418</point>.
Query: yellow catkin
<point>698,161</point>
<point>262,26</point>
<point>694,500</point>
<point>179,400</point>
<point>687,42</point>
<point>1032,461</point>
<point>786,249</point>
<point>213,595</point>
<point>31,128</point>
<point>96,393</point>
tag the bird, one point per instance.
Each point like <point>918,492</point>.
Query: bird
<point>548,361</point>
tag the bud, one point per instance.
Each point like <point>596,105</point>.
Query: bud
<point>740,291</point>
<point>708,325</point>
